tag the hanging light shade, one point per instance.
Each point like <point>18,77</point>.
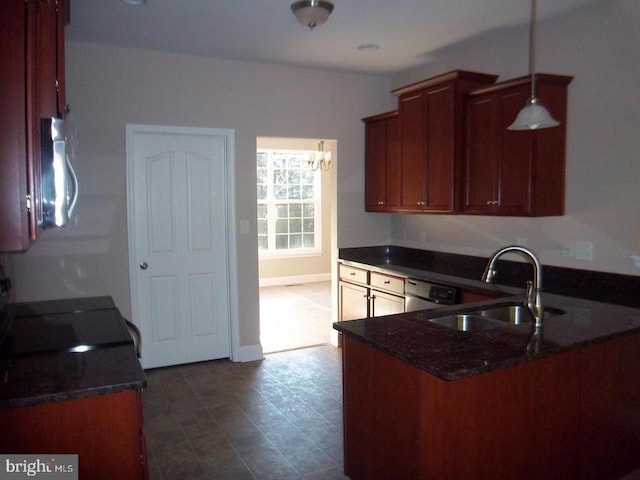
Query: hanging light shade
<point>534,115</point>
<point>312,13</point>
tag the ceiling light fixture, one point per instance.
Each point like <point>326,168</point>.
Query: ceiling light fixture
<point>312,13</point>
<point>319,160</point>
<point>134,2</point>
<point>368,47</point>
<point>533,116</point>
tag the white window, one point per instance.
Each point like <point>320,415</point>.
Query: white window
<point>289,194</point>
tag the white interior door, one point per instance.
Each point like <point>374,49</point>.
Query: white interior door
<point>178,242</point>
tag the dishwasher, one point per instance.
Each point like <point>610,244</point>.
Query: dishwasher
<point>421,295</point>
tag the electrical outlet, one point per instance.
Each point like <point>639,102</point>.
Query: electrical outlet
<point>583,250</point>
<point>568,249</point>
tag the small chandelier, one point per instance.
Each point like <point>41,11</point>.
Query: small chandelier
<point>319,160</point>
<point>312,13</point>
<point>533,116</point>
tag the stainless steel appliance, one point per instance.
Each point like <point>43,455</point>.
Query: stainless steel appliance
<point>58,182</point>
<point>421,295</point>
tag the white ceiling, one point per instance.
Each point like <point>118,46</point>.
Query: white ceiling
<point>407,31</point>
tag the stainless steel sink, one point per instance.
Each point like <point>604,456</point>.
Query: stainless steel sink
<point>466,322</point>
<point>492,317</point>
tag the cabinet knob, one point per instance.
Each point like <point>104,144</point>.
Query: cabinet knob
<point>144,265</point>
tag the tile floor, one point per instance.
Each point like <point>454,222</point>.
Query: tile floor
<point>279,418</point>
<point>294,316</point>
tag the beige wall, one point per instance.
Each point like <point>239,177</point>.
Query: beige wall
<point>274,271</point>
<point>108,87</point>
<point>600,46</point>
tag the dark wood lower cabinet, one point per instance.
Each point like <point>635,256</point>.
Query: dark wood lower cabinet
<point>573,415</point>
<point>105,431</point>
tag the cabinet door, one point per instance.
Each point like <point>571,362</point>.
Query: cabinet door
<point>385,304</point>
<point>481,163</point>
<point>440,149</point>
<point>515,157</point>
<point>61,20</point>
<point>412,144</point>
<point>382,164</point>
<point>353,302</point>
<point>393,173</point>
<point>14,220</point>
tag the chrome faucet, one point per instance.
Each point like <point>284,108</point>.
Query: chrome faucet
<point>532,297</point>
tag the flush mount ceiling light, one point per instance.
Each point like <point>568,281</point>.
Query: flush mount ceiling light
<point>368,47</point>
<point>533,116</point>
<point>134,2</point>
<point>312,13</point>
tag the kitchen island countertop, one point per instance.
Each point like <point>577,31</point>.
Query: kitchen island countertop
<point>451,355</point>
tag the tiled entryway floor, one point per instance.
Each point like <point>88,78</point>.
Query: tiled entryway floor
<point>279,418</point>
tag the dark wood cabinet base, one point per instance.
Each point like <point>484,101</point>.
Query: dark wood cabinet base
<point>105,431</point>
<point>573,415</point>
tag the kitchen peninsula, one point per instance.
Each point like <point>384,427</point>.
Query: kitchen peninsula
<point>424,401</point>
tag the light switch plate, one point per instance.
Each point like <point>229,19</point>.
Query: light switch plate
<point>568,249</point>
<point>583,250</point>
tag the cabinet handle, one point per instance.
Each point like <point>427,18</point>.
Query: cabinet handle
<point>492,202</point>
<point>353,274</point>
<point>387,282</point>
<point>381,202</point>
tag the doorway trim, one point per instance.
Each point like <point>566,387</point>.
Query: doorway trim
<point>237,353</point>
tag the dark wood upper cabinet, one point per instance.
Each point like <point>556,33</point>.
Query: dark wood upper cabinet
<point>382,162</point>
<point>456,154</point>
<point>32,72</point>
<point>515,172</point>
<point>431,116</point>
<point>14,220</point>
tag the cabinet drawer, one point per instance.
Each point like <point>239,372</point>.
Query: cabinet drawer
<point>387,282</point>
<point>352,274</point>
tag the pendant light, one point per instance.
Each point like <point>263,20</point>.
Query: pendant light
<point>312,13</point>
<point>533,116</point>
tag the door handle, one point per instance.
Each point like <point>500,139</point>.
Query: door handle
<point>144,265</point>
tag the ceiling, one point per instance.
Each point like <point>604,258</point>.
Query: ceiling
<point>407,31</point>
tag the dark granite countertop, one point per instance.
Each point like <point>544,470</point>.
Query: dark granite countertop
<point>63,376</point>
<point>59,350</point>
<point>451,354</point>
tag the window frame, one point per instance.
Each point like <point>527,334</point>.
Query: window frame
<point>271,202</point>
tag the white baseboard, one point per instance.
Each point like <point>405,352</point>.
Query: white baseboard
<point>249,353</point>
<point>296,279</point>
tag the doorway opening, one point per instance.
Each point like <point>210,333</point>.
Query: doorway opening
<point>296,205</point>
